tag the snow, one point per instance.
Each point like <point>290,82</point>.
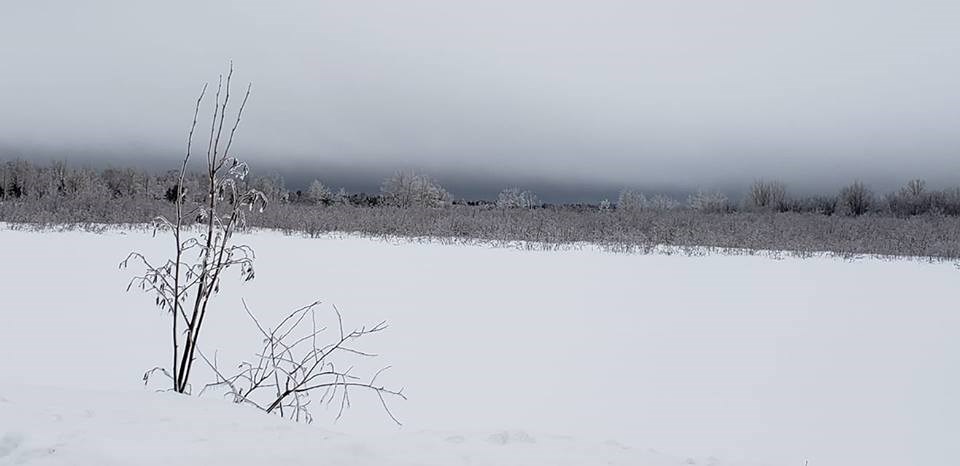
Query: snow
<point>508,357</point>
<point>47,426</point>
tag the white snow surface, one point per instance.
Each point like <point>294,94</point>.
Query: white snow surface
<point>47,426</point>
<point>509,357</point>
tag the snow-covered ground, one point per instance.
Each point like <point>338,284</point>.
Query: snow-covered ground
<point>70,428</point>
<point>508,357</point>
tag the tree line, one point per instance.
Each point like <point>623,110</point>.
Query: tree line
<point>28,181</point>
<point>912,221</point>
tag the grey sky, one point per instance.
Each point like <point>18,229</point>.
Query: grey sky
<point>605,93</point>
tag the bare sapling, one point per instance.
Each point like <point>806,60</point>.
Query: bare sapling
<point>292,363</point>
<point>202,237</point>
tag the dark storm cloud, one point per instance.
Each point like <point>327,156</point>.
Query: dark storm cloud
<point>559,94</point>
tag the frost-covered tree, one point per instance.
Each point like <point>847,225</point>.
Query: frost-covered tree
<point>911,199</point>
<point>662,202</point>
<point>124,182</point>
<point>766,195</point>
<point>410,189</point>
<point>317,193</point>
<point>17,178</point>
<point>821,205</point>
<point>855,200</point>
<point>515,198</point>
<point>708,202</point>
<point>631,201</point>
<point>273,187</point>
<point>946,202</point>
<point>342,197</point>
<point>914,188</point>
<point>635,201</point>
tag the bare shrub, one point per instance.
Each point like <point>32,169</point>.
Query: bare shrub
<point>293,363</point>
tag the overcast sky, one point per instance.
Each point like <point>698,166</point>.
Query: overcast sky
<point>672,93</point>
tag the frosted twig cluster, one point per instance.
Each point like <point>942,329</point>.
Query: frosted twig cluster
<point>293,366</point>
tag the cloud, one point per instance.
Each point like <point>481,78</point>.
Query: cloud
<point>608,93</point>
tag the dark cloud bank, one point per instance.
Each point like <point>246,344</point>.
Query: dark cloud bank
<point>572,99</point>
